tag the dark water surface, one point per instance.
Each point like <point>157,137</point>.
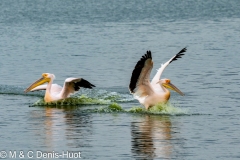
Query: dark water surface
<point>101,41</point>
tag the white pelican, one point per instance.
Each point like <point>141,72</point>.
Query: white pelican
<point>55,92</point>
<point>154,92</point>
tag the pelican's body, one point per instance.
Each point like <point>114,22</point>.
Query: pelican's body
<point>154,92</point>
<point>55,92</point>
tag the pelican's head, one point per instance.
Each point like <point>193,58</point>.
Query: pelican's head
<point>46,77</point>
<point>167,84</point>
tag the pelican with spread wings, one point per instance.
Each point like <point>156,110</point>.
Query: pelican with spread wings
<point>154,92</point>
<point>55,92</point>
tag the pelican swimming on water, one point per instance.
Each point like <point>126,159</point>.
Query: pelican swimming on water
<point>154,92</point>
<point>55,92</point>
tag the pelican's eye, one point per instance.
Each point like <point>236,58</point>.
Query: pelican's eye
<point>167,80</point>
<point>44,75</point>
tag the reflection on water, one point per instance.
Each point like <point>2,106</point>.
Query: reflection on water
<point>61,127</point>
<point>78,129</point>
<point>48,123</point>
<point>151,137</point>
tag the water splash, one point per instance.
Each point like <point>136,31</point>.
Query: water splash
<point>90,97</point>
<point>160,109</point>
<point>106,95</point>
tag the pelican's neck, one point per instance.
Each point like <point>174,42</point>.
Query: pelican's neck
<point>166,92</point>
<point>47,97</point>
<point>49,85</point>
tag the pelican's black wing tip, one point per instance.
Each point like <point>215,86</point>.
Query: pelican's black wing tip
<point>83,83</point>
<point>179,54</point>
<point>137,70</point>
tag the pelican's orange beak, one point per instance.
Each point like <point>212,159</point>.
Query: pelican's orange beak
<point>42,80</point>
<point>173,87</point>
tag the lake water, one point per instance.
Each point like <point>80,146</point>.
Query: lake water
<point>101,41</point>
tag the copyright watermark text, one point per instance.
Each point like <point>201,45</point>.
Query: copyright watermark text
<point>38,154</point>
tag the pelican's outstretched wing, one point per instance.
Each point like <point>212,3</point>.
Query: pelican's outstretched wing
<point>73,84</point>
<point>156,78</point>
<point>54,88</point>
<point>140,84</point>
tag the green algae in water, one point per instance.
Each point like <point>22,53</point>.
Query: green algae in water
<point>72,101</point>
<point>167,108</point>
<point>114,107</point>
<point>137,110</point>
<point>160,109</point>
